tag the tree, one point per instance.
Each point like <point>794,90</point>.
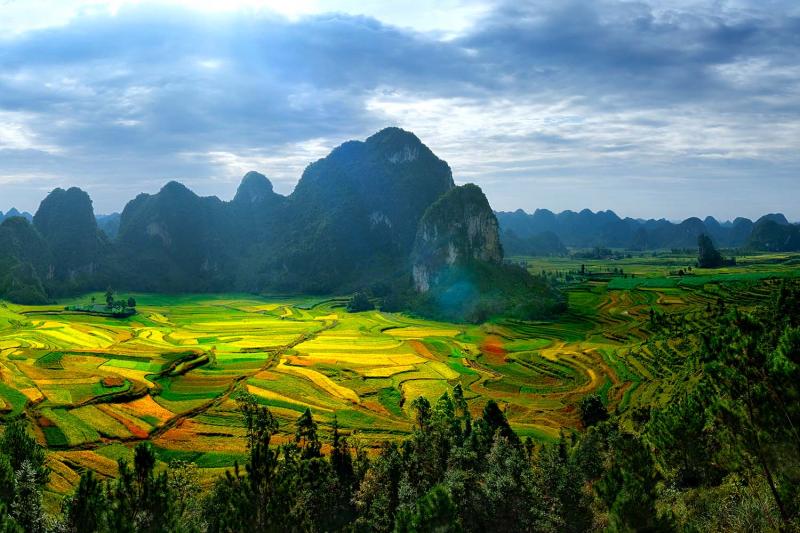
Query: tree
<point>592,410</point>
<point>140,499</point>
<point>708,255</point>
<point>628,488</point>
<point>109,297</point>
<point>560,479</point>
<point>21,447</point>
<point>86,509</point>
<point>688,445</point>
<point>7,482</point>
<point>359,302</point>
<point>496,422</point>
<point>27,507</point>
<point>751,369</point>
<point>183,480</point>
<point>7,522</point>
<point>377,497</point>
<point>512,500</point>
<point>305,436</point>
<point>422,412</point>
<point>249,503</point>
<point>460,403</point>
<point>132,303</point>
<point>341,461</point>
<point>434,512</point>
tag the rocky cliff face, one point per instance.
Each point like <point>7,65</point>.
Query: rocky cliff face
<point>457,229</point>
<point>362,218</point>
<point>379,188</point>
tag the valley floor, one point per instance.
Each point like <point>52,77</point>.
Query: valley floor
<point>93,386</point>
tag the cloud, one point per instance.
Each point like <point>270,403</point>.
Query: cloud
<point>614,96</point>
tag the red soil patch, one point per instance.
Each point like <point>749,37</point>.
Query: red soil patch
<point>112,381</point>
<point>375,407</point>
<point>492,348</point>
<point>301,361</point>
<point>421,349</point>
<point>134,430</point>
<point>45,422</point>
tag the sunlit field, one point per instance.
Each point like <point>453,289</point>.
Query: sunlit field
<point>94,386</point>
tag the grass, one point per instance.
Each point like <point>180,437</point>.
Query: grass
<point>178,361</point>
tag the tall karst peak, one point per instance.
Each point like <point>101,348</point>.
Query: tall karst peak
<point>399,146</point>
<point>65,219</point>
<point>175,188</point>
<point>458,228</point>
<point>60,208</point>
<point>253,189</point>
<point>362,204</point>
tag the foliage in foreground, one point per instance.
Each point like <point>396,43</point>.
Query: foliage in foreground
<point>724,455</point>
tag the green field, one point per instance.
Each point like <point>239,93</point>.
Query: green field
<point>93,386</point>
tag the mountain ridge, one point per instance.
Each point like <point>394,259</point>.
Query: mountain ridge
<point>586,229</point>
<point>352,223</point>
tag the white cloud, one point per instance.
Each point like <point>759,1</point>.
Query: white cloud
<point>552,104</point>
<point>283,165</point>
<point>447,17</point>
<point>16,134</point>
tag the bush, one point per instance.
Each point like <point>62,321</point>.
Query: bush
<point>359,302</point>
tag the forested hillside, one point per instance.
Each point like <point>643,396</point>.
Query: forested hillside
<point>350,225</point>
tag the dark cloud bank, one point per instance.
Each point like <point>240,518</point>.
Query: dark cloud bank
<point>638,107</point>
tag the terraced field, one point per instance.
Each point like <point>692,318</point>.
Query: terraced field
<point>94,386</point>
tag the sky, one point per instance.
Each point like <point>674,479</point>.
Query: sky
<point>668,108</point>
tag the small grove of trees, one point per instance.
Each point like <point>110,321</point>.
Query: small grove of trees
<point>708,255</point>
<point>118,305</point>
<point>359,302</point>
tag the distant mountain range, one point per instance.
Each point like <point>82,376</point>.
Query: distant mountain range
<point>14,213</point>
<point>548,233</point>
<point>382,216</point>
<point>372,215</point>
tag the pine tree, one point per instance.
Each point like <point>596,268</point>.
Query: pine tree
<point>27,507</point>
<point>306,435</point>
<point>86,509</point>
<point>628,489</point>
<point>20,447</point>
